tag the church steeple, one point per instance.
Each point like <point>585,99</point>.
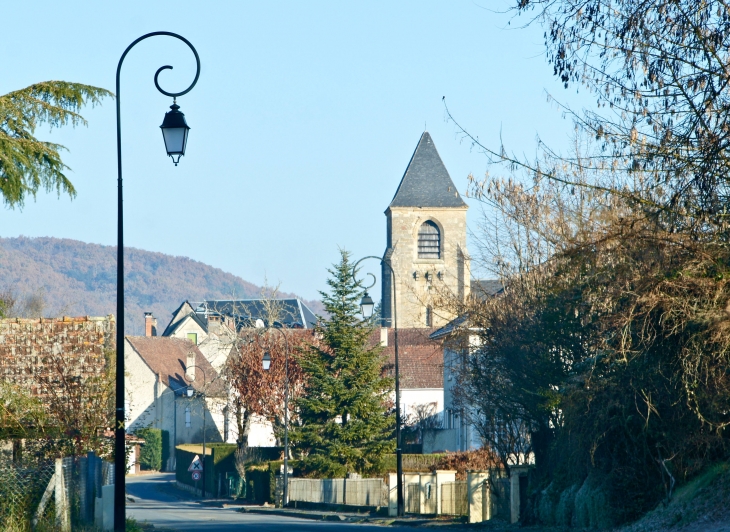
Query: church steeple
<point>426,244</point>
<point>426,182</point>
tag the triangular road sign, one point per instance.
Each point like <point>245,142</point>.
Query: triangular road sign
<point>196,465</point>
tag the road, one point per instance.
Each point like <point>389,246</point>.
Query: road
<point>158,502</point>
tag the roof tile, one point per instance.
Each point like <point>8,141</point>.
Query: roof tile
<point>167,357</point>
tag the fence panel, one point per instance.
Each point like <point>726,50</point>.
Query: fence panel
<point>21,490</point>
<point>360,492</point>
<point>29,493</point>
<point>413,498</point>
<point>365,492</point>
<point>454,498</point>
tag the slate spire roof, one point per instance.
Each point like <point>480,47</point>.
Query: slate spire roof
<point>426,182</point>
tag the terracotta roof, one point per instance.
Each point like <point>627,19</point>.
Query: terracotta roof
<point>421,359</point>
<point>168,357</point>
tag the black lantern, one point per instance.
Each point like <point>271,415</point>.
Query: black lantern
<point>366,306</point>
<point>267,361</point>
<point>175,132</point>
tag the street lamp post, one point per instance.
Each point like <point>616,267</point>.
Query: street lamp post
<point>190,377</point>
<point>266,362</point>
<point>174,131</point>
<point>366,307</point>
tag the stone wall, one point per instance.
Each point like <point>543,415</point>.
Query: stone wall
<point>32,349</point>
<point>449,274</point>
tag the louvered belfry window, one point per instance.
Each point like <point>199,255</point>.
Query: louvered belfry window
<point>429,241</point>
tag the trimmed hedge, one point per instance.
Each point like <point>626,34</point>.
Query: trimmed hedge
<point>150,457</point>
<point>219,460</point>
<point>165,448</point>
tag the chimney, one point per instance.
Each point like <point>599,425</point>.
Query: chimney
<point>150,324</point>
<point>190,367</point>
<point>384,336</point>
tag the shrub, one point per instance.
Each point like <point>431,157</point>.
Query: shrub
<point>151,455</point>
<point>165,447</point>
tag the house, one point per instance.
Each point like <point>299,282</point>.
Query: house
<point>420,369</point>
<point>212,324</point>
<point>170,385</point>
<point>457,338</point>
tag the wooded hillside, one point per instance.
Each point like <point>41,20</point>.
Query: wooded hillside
<point>77,279</point>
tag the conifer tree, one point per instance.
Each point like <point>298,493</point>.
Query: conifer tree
<point>26,163</point>
<point>345,423</point>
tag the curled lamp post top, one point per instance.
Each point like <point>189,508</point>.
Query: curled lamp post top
<point>259,332</point>
<point>375,279</point>
<point>191,376</point>
<point>169,34</point>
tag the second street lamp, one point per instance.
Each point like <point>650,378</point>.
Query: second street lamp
<point>366,307</point>
<point>190,372</point>
<point>266,363</point>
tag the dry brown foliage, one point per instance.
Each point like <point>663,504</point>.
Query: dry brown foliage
<point>461,462</point>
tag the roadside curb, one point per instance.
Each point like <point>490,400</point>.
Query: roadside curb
<point>317,516</point>
<point>351,518</point>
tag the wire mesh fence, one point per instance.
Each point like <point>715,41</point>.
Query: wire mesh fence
<point>61,491</point>
<point>21,490</point>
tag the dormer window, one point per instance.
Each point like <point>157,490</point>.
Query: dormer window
<point>429,241</point>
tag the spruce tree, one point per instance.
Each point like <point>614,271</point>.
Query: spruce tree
<point>345,423</point>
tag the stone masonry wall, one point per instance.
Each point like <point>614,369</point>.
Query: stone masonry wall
<point>415,295</point>
<point>31,348</point>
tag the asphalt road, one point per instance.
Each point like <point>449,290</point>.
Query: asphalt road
<point>158,502</point>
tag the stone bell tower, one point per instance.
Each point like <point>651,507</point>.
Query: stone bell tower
<point>426,242</point>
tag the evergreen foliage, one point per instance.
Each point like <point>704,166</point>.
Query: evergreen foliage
<point>150,456</point>
<point>26,163</point>
<point>345,422</point>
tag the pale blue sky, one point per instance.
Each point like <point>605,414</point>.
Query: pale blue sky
<point>303,121</point>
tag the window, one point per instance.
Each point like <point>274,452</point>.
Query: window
<point>193,337</point>
<point>429,241</point>
<point>187,416</point>
<point>429,317</point>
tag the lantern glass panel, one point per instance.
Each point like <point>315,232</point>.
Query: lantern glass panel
<point>175,140</point>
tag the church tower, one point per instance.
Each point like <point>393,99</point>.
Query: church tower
<point>426,243</point>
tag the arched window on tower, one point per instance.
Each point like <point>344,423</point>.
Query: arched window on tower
<point>429,241</point>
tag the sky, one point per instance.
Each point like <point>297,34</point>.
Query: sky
<point>302,122</point>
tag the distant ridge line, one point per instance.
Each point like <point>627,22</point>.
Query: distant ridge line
<point>79,279</point>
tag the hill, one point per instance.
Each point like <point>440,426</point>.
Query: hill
<point>68,277</point>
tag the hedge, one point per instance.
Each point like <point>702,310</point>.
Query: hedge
<point>219,460</point>
<point>150,457</point>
